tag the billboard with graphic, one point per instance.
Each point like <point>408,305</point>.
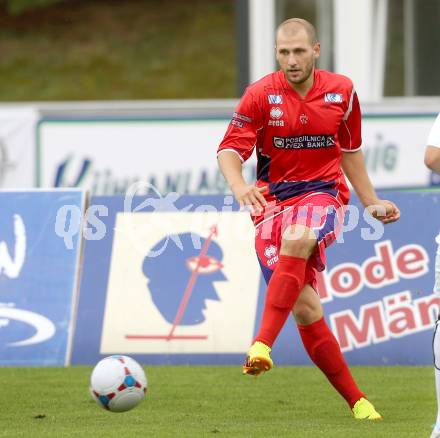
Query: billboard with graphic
<point>37,277</point>
<point>168,284</point>
<point>176,280</point>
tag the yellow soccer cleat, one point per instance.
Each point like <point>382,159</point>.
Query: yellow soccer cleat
<point>364,410</point>
<point>258,360</point>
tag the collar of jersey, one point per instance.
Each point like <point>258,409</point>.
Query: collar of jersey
<point>294,93</point>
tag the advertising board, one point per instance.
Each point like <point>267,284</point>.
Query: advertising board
<point>176,280</point>
<point>38,276</point>
<point>178,155</point>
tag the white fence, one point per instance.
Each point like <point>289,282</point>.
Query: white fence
<point>104,147</point>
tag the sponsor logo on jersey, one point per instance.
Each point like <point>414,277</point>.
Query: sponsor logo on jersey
<point>237,123</point>
<point>276,123</point>
<point>303,118</point>
<point>239,120</point>
<point>275,99</point>
<point>271,254</point>
<point>276,113</point>
<point>270,251</point>
<point>304,142</point>
<point>242,117</point>
<point>333,98</point>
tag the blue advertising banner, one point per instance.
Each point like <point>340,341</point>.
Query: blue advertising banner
<point>38,271</point>
<point>377,289</point>
<point>176,280</point>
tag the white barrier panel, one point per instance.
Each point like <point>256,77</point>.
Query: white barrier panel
<point>107,156</point>
<point>38,274</point>
<point>17,147</point>
<point>394,146</point>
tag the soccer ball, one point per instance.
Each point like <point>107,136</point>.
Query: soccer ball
<point>118,383</point>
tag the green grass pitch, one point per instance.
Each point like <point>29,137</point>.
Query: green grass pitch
<point>196,401</point>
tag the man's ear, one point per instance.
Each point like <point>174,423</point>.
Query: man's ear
<point>317,50</point>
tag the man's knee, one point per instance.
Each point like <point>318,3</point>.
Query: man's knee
<point>306,313</point>
<point>298,241</point>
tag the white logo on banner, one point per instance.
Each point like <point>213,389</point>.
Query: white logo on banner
<point>9,266</point>
<point>44,327</point>
<point>199,299</point>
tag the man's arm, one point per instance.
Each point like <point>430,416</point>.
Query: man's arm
<point>432,158</point>
<point>432,152</point>
<point>353,165</point>
<point>231,168</point>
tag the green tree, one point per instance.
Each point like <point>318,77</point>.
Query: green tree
<point>17,7</point>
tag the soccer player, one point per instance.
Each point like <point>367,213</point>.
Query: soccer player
<point>305,124</point>
<point>432,160</point>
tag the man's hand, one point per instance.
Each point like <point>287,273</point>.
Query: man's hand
<point>250,195</point>
<point>384,211</point>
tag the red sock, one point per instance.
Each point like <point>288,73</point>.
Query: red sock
<point>282,292</point>
<point>324,350</point>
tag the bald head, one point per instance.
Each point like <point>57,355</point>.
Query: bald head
<point>293,26</point>
<point>297,50</point>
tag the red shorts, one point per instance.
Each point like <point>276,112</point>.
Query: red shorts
<point>321,212</point>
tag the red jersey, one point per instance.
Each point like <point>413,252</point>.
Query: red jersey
<point>299,141</point>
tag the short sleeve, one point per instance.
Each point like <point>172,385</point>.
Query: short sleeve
<point>242,132</point>
<point>350,137</point>
<point>434,135</point>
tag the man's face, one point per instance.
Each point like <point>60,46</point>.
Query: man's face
<point>296,55</point>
